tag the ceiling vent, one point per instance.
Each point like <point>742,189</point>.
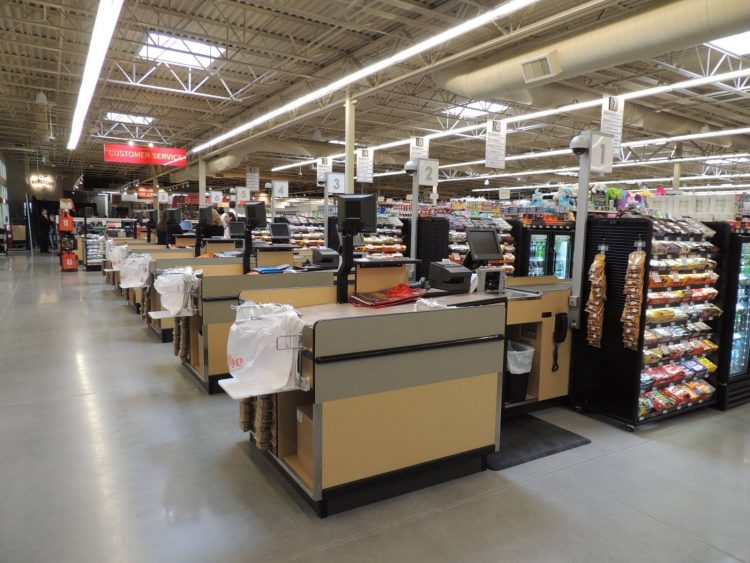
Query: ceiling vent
<point>542,67</point>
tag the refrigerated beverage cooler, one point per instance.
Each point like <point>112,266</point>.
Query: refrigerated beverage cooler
<point>547,252</point>
<point>734,372</point>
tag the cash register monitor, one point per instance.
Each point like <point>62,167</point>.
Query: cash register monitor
<point>362,207</point>
<point>237,228</point>
<point>483,245</point>
<point>255,214</point>
<point>280,231</point>
<point>205,215</point>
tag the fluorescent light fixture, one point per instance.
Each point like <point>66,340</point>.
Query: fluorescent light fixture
<point>104,27</point>
<point>738,44</point>
<point>337,142</point>
<point>690,137</point>
<point>128,118</point>
<point>488,17</point>
<point>293,165</point>
<point>728,159</point>
<point>162,48</point>
<point>686,84</point>
<point>475,109</point>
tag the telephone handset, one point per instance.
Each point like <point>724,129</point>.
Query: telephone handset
<point>560,334</point>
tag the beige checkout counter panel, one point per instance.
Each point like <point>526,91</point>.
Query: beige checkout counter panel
<point>209,329</point>
<point>533,303</point>
<point>399,399</point>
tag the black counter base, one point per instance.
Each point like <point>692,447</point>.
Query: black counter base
<point>733,394</point>
<point>367,491</point>
<point>165,334</point>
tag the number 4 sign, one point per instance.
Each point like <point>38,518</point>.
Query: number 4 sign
<point>602,152</point>
<point>427,172</point>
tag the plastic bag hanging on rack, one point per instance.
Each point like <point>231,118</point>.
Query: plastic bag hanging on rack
<point>176,287</point>
<point>134,271</point>
<point>262,348</point>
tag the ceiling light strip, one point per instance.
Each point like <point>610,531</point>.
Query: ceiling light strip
<point>104,28</point>
<point>488,17</point>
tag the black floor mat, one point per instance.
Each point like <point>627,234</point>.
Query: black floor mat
<point>525,438</point>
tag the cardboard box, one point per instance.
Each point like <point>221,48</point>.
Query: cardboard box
<point>305,438</point>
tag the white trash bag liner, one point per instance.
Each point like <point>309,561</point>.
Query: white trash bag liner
<point>134,271</point>
<point>175,287</point>
<point>520,357</point>
<point>262,348</point>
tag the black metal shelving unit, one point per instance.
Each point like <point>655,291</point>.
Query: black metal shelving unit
<point>606,381</point>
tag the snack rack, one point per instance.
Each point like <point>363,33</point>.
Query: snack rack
<point>620,383</point>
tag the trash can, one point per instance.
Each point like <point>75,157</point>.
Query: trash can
<point>520,358</point>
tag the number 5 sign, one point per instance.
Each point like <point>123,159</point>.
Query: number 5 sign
<point>602,152</point>
<point>427,172</point>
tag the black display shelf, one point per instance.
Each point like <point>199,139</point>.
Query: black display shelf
<point>657,386</point>
<point>679,409</point>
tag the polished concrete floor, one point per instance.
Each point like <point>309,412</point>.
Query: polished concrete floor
<point>109,453</point>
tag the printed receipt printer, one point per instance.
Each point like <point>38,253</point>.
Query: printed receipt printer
<point>326,258</point>
<point>450,276</point>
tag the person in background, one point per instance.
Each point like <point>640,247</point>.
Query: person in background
<point>43,227</point>
<point>227,217</point>
<point>161,229</point>
<point>217,228</point>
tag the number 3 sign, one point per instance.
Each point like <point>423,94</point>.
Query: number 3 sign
<point>427,172</point>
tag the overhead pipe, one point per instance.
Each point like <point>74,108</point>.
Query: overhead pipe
<point>667,26</point>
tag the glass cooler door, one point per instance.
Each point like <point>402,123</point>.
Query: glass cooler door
<point>538,255</point>
<point>563,251</point>
<point>741,330</point>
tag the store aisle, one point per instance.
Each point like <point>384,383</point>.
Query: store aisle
<point>109,453</point>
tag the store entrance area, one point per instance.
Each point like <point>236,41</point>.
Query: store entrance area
<point>109,452</point>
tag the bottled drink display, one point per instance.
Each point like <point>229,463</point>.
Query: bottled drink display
<point>741,336</point>
<point>563,250</point>
<point>538,255</point>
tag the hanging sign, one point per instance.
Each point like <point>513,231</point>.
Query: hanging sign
<point>419,147</point>
<point>503,193</point>
<point>252,179</point>
<point>161,156</point>
<point>41,182</point>
<point>364,165</point>
<point>427,172</point>
<point>162,196</point>
<point>613,110</point>
<point>324,166</point>
<point>602,152</point>
<point>279,188</point>
<point>336,183</point>
<point>216,197</point>
<point>494,148</point>
<point>243,195</point>
<point>146,193</point>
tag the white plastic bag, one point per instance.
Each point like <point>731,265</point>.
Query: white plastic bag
<point>134,271</point>
<point>262,347</point>
<point>117,255</point>
<point>520,357</point>
<point>429,305</point>
<point>175,286</point>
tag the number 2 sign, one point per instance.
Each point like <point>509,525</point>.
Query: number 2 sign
<point>427,172</point>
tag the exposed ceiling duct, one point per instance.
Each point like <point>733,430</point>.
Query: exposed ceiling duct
<point>657,30</point>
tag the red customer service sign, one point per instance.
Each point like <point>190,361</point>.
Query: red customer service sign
<point>162,156</point>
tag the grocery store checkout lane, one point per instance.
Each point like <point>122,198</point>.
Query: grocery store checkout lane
<point>391,399</point>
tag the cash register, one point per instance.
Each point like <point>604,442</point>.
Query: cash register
<point>484,247</point>
<point>449,276</point>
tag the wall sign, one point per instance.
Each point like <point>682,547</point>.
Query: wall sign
<point>494,148</point>
<point>161,156</point>
<point>146,193</point>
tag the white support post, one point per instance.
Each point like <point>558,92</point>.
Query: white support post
<point>582,208</point>
<point>201,182</point>
<point>350,158</point>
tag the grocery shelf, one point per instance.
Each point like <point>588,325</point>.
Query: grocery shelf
<point>656,386</point>
<point>679,409</point>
